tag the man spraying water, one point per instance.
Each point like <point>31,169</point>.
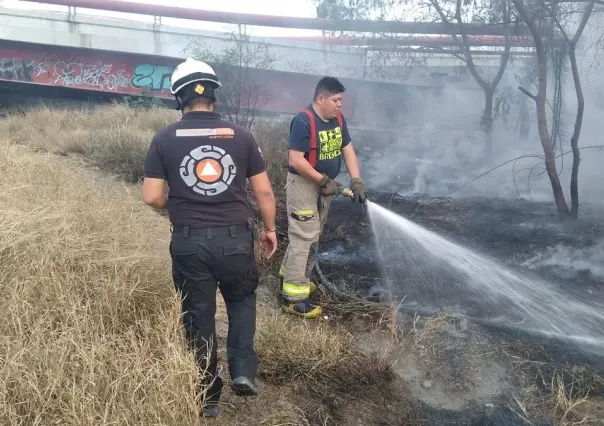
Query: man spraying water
<point>318,140</point>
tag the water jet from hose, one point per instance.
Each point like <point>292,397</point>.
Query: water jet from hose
<point>434,267</point>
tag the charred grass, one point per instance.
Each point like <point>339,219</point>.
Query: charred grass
<point>89,322</point>
<point>570,392</point>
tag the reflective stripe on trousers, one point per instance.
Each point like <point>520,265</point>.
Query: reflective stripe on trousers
<point>296,292</point>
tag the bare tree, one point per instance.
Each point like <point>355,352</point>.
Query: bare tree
<point>536,16</point>
<point>574,140</point>
<point>493,12</point>
<point>236,63</point>
<point>452,13</point>
<point>597,42</point>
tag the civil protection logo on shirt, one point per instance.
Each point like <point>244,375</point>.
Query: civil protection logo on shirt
<point>208,170</point>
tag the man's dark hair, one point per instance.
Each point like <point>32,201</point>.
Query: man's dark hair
<point>190,98</point>
<point>328,86</point>
<point>200,101</point>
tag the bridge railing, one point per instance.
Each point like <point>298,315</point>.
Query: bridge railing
<point>362,26</point>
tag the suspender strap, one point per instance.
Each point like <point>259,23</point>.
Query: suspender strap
<point>312,155</point>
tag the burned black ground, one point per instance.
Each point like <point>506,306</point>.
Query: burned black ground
<point>511,231</point>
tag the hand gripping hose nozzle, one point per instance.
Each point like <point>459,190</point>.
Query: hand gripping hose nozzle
<point>347,192</point>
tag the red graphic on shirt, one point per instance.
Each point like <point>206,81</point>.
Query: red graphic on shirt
<point>208,170</point>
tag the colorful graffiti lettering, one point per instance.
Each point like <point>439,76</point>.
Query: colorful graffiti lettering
<point>154,77</point>
<point>84,70</point>
<point>127,74</point>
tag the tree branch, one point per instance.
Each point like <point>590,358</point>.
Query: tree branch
<point>448,52</point>
<point>600,2</point>
<point>495,168</point>
<point>508,47</point>
<point>541,157</point>
<point>527,93</point>
<point>586,14</point>
<point>464,44</point>
<point>446,21</point>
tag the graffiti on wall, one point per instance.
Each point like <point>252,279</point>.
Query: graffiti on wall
<point>84,72</point>
<point>95,75</point>
<point>16,69</point>
<point>125,74</point>
<point>153,77</point>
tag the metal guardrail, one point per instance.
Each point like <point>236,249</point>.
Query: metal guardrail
<point>367,26</point>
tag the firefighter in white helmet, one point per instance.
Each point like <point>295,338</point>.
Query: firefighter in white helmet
<point>207,163</point>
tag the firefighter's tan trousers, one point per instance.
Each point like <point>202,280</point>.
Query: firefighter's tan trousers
<point>306,214</point>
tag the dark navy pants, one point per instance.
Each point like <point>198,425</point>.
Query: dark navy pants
<point>202,258</point>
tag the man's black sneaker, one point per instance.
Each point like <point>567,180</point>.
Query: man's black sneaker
<point>242,386</point>
<point>211,411</point>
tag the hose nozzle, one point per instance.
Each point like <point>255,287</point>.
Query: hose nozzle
<point>347,192</point>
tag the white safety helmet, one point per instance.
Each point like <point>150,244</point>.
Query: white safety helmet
<point>191,71</point>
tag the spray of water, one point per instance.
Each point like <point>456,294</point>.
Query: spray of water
<point>435,270</point>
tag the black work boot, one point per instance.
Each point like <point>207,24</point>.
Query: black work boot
<point>243,386</point>
<point>211,410</point>
<point>212,397</point>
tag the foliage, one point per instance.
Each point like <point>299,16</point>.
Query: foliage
<point>142,102</point>
<point>240,95</point>
<point>354,9</point>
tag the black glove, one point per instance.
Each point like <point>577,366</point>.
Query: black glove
<point>330,187</point>
<point>358,189</point>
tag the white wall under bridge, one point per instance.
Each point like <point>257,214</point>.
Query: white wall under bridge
<point>442,81</point>
<point>85,31</point>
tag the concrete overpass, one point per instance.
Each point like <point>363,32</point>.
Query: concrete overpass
<point>124,57</point>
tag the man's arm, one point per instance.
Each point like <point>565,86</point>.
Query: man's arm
<point>351,161</point>
<point>263,191</point>
<point>154,193</point>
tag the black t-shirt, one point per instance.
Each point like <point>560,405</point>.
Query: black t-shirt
<point>206,162</point>
<point>330,141</point>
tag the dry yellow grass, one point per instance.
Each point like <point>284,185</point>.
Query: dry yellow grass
<point>318,355</point>
<point>116,138</point>
<point>112,138</point>
<point>90,328</point>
